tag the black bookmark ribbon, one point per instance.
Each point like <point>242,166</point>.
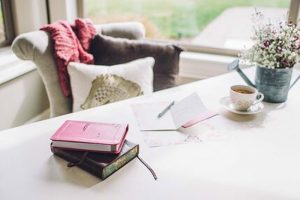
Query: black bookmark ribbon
<point>71,164</point>
<point>148,166</point>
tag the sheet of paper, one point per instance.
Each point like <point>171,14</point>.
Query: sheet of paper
<point>184,111</point>
<point>187,109</point>
<point>200,132</point>
<point>146,115</point>
<point>164,138</point>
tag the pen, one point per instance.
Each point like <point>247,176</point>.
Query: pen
<point>166,109</point>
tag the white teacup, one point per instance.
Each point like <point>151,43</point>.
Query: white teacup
<point>243,97</point>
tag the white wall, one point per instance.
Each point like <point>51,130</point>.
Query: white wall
<point>21,99</point>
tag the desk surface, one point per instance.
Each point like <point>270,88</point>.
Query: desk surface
<point>257,157</point>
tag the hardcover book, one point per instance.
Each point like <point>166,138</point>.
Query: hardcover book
<point>101,165</point>
<point>90,136</point>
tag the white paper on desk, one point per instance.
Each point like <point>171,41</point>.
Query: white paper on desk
<point>181,113</point>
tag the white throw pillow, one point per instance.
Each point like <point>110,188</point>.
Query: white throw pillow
<point>94,85</point>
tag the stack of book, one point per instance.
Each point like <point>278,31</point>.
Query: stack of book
<point>99,148</point>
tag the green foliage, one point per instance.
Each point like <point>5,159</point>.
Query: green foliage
<point>1,25</point>
<point>1,17</point>
<point>173,18</point>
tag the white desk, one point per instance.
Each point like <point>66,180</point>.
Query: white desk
<point>257,157</point>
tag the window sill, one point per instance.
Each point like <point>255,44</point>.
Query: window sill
<point>12,67</point>
<point>201,65</point>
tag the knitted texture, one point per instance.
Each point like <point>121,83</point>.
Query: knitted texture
<point>71,44</point>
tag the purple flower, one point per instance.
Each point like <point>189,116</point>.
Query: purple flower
<point>266,43</point>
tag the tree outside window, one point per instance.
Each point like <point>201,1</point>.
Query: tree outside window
<point>2,36</point>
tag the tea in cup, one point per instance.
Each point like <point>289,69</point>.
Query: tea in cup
<point>243,97</point>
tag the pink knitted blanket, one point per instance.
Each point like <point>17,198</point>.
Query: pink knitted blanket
<point>71,44</point>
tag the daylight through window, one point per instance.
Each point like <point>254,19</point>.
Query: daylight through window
<point>221,24</point>
<point>2,35</point>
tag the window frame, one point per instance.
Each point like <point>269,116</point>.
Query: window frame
<point>293,11</point>
<point>9,33</point>
<point>81,11</point>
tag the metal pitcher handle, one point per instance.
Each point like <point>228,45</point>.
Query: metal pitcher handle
<point>295,81</point>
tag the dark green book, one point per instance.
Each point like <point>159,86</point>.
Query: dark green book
<point>101,165</point>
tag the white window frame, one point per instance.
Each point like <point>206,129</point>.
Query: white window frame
<point>293,11</point>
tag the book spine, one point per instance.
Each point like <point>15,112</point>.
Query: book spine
<point>120,162</point>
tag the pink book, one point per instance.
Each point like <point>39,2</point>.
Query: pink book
<point>90,136</point>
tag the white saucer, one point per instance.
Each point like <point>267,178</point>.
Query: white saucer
<point>257,108</point>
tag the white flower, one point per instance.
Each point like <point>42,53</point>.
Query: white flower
<point>275,45</point>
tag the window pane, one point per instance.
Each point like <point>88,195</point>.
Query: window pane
<point>214,23</point>
<point>2,36</point>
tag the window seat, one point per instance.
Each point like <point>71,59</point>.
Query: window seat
<point>22,93</point>
<point>12,67</point>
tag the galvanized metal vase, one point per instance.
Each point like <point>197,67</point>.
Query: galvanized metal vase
<point>273,83</point>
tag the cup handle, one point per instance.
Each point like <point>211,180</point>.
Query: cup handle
<point>260,97</point>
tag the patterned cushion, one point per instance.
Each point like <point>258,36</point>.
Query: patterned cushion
<point>95,85</point>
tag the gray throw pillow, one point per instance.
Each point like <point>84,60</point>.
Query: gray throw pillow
<point>112,51</point>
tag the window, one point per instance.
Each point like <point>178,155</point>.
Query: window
<point>199,24</point>
<point>2,36</point>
